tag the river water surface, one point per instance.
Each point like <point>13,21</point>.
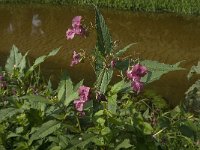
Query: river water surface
<point>167,38</point>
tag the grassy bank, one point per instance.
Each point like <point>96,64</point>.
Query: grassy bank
<point>178,6</point>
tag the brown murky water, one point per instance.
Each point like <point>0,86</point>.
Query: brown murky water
<point>164,37</point>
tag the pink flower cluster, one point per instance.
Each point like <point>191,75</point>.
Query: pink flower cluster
<point>83,98</point>
<point>135,74</point>
<point>77,28</point>
<point>76,58</point>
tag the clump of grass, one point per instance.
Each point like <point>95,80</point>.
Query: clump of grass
<point>177,6</point>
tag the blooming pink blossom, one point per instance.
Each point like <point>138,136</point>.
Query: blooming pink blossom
<point>79,105</point>
<point>137,71</point>
<point>113,63</point>
<point>137,85</point>
<point>76,58</point>
<point>76,21</point>
<point>84,93</point>
<point>77,28</point>
<point>83,98</point>
<point>70,34</point>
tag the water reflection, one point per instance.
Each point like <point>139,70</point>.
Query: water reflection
<point>36,26</point>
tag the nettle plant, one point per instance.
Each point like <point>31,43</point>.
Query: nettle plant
<point>35,116</point>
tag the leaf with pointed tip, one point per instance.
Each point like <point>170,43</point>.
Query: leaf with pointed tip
<point>156,70</point>
<point>122,51</point>
<point>41,59</point>
<point>8,113</point>
<point>112,103</point>
<point>46,129</point>
<point>125,144</point>
<point>15,60</point>
<point>104,41</point>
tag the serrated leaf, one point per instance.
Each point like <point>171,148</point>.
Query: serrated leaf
<point>15,60</point>
<point>122,51</point>
<point>120,86</point>
<point>125,144</point>
<point>46,129</point>
<point>8,113</point>
<point>107,76</point>
<point>41,59</point>
<point>36,98</point>
<point>112,103</point>
<point>104,41</point>
<point>156,70</point>
<point>65,88</point>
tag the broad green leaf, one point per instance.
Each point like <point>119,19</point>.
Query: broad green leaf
<point>107,76</point>
<point>105,131</point>
<point>36,98</point>
<point>76,87</point>
<point>120,86</point>
<point>71,98</point>
<point>15,60</point>
<point>112,103</point>
<point>82,141</point>
<point>125,144</point>
<point>99,62</point>
<point>41,59</point>
<point>65,88</point>
<point>104,41</point>
<point>8,113</point>
<point>46,129</point>
<point>122,51</point>
<point>156,70</point>
<point>194,70</point>
<point>147,128</point>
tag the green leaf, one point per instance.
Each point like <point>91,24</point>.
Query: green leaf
<point>2,147</point>
<point>112,103</point>
<point>156,69</point>
<point>104,41</point>
<point>122,51</point>
<point>41,59</point>
<point>105,131</point>
<point>147,128</point>
<point>15,59</point>
<point>46,129</point>
<point>56,148</point>
<point>36,98</point>
<point>120,86</point>
<point>107,76</point>
<point>125,144</point>
<point>71,98</point>
<point>81,142</point>
<point>65,89</point>
<point>8,113</point>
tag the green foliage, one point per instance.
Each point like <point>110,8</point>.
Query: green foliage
<point>156,69</point>
<point>35,116</point>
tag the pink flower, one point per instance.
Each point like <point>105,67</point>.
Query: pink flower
<point>137,86</point>
<point>84,93</point>
<point>79,105</point>
<point>113,63</point>
<point>83,98</point>
<point>76,21</point>
<point>77,28</point>
<point>70,34</point>
<point>76,58</point>
<point>135,75</point>
<point>139,70</point>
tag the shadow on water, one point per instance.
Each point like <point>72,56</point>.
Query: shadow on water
<point>163,37</point>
